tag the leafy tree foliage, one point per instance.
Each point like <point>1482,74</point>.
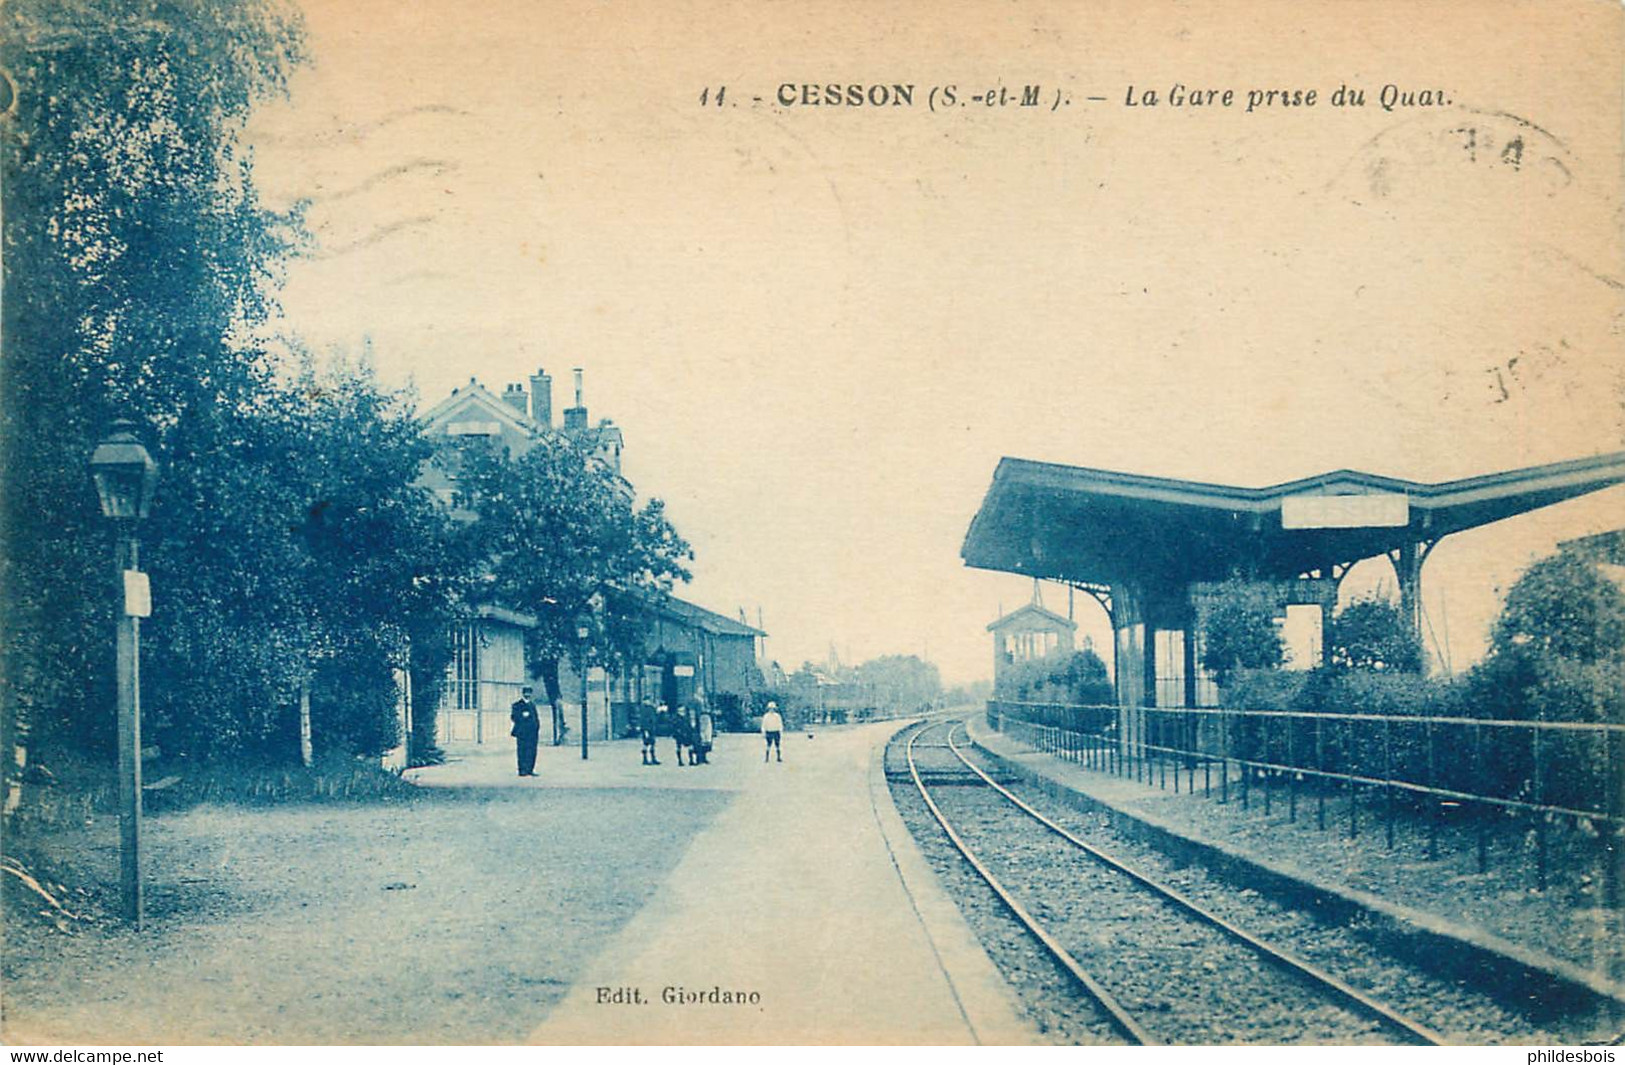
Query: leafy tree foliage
<point>1239,631</point>
<point>976,691</point>
<point>1557,650</point>
<point>1372,633</point>
<point>556,533</point>
<point>1078,678</point>
<point>1562,607</point>
<point>899,683</point>
<point>135,250</point>
<point>288,544</point>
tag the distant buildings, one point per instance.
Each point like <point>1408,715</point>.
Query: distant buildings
<point>687,649</point>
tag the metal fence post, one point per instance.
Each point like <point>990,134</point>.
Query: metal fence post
<point>1175,756</point>
<point>1540,821</point>
<point>1483,824</point>
<point>1264,757</point>
<point>1437,810</point>
<point>1613,863</point>
<point>1207,763</point>
<point>1246,781</point>
<point>1162,756</point>
<point>1195,744</point>
<point>1291,776</point>
<point>1320,782</point>
<point>1145,765</point>
<point>1354,809</point>
<point>1191,725</point>
<point>1388,775</point>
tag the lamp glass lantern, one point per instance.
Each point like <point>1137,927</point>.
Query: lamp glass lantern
<point>125,474</point>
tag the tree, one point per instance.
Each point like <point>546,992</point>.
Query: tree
<point>1562,606</point>
<point>1087,682</point>
<point>1372,633</point>
<point>971,692</point>
<point>288,544</point>
<point>1557,649</point>
<point>137,258</point>
<point>553,530</point>
<point>1239,631</point>
<point>1078,678</point>
<point>899,683</point>
<point>383,572</point>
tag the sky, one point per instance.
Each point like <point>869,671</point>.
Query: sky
<point>821,327</point>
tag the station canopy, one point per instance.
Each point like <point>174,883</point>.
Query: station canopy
<point>1091,526</point>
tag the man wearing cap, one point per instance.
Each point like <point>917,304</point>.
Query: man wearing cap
<point>527,727</point>
<point>772,732</point>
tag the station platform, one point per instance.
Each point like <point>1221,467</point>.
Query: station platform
<point>804,913</point>
<point>609,764</point>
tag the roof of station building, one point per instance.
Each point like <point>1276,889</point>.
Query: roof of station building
<point>1100,526</point>
<point>1034,612</point>
<point>681,610</point>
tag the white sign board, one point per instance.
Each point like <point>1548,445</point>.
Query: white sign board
<point>137,594</point>
<point>682,671</point>
<point>1374,510</point>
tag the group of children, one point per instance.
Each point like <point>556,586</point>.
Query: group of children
<point>691,728</point>
<point>694,731</point>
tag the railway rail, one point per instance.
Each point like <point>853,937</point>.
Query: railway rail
<point>1127,978</point>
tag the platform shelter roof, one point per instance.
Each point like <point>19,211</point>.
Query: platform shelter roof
<point>1094,526</point>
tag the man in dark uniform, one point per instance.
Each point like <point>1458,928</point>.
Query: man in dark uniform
<point>527,727</point>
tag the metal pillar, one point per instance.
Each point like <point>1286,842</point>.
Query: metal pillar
<point>583,709</point>
<point>1408,568</point>
<point>129,743</point>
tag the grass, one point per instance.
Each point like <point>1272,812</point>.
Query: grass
<point>72,791</point>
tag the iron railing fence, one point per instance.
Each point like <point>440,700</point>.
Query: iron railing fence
<point>1408,764</point>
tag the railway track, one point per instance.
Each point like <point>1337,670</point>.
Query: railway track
<point>1170,971</point>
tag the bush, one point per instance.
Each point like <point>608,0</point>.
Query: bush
<point>1372,633</point>
<point>729,712</point>
<point>1337,690</point>
<point>1358,691</point>
<point>1265,689</point>
<point>1078,678</point>
<point>75,789</point>
<point>1521,684</point>
<point>1238,630</point>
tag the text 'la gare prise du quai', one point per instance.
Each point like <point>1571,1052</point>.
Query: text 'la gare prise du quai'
<point>1390,97</point>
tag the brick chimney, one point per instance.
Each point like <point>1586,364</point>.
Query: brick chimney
<point>541,398</point>
<point>575,418</point>
<point>514,396</point>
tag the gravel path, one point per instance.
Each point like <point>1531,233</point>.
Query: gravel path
<point>315,924</point>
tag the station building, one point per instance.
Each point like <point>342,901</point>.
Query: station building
<point>687,648</point>
<point>1028,633</point>
<point>1151,549</point>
